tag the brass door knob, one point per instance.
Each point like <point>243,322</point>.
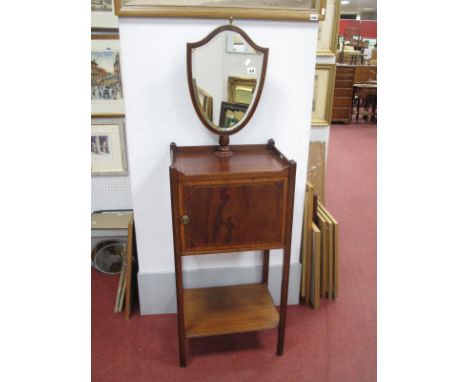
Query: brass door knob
<point>185,219</point>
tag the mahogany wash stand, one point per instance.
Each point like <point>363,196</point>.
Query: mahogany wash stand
<point>230,204</point>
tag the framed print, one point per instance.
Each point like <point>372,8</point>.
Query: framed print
<point>327,37</point>
<point>108,148</point>
<point>103,15</point>
<point>306,249</point>
<point>322,102</point>
<point>316,168</point>
<point>316,264</point>
<point>330,254</point>
<point>335,256</point>
<point>231,113</point>
<point>297,10</point>
<point>323,227</point>
<point>106,81</point>
<point>236,44</point>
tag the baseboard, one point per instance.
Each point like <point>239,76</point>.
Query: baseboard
<point>157,290</point>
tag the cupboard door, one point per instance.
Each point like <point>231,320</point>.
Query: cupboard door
<point>232,216</point>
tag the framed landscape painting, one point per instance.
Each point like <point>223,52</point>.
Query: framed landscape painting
<point>106,81</point>
<point>108,148</point>
<point>103,15</point>
<point>298,10</point>
<point>323,94</point>
<point>327,37</point>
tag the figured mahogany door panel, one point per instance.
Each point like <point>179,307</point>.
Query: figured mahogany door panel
<point>244,214</point>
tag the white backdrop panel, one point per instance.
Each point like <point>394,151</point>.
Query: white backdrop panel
<point>159,111</point>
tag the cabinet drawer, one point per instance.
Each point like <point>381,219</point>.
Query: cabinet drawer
<point>237,214</point>
<point>344,83</point>
<point>344,92</point>
<point>342,101</point>
<point>344,76</point>
<point>341,113</point>
<point>345,69</point>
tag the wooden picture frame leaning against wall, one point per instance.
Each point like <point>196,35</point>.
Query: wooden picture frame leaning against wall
<point>293,10</point>
<point>108,146</point>
<point>328,29</point>
<point>322,103</point>
<point>106,81</point>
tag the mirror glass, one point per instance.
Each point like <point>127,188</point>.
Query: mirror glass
<point>226,74</point>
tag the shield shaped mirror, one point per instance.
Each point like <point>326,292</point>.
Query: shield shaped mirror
<point>226,72</point>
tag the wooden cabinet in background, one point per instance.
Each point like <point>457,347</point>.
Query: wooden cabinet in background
<point>230,204</point>
<point>365,73</point>
<point>346,76</point>
<point>343,95</point>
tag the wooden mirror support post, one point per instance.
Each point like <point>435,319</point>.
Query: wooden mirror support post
<point>224,150</point>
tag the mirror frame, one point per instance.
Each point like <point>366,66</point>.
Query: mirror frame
<point>253,106</point>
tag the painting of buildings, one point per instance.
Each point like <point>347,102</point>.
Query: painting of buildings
<point>106,83</point>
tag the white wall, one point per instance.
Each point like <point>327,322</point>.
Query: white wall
<point>110,193</point>
<point>159,111</point>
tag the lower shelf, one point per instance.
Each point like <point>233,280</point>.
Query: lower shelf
<point>228,309</point>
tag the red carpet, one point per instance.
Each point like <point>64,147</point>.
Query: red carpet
<point>336,343</point>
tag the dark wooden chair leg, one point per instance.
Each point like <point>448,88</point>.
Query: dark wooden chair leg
<point>358,107</point>
<point>266,266</point>
<point>284,301</point>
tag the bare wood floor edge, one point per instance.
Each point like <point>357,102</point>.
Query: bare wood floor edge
<point>241,203</point>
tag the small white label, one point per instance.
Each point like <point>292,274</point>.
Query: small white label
<point>313,17</point>
<point>251,70</point>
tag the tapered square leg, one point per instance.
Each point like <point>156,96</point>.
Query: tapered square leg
<point>284,302</point>
<point>266,266</point>
<point>182,354</point>
<point>180,310</point>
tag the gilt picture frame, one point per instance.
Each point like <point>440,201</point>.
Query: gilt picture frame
<point>327,36</point>
<point>322,102</point>
<point>241,89</point>
<point>108,146</point>
<point>106,82</point>
<point>292,10</point>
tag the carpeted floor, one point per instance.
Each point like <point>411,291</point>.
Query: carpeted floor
<point>337,343</point>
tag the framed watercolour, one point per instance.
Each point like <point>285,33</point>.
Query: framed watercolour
<point>297,10</point>
<point>322,103</point>
<point>231,113</point>
<point>106,81</point>
<point>108,148</point>
<point>327,37</point>
<point>236,44</point>
<point>103,15</point>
